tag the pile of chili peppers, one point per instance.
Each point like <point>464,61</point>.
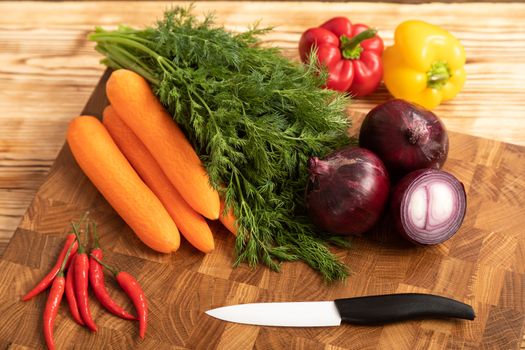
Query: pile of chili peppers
<point>82,271</point>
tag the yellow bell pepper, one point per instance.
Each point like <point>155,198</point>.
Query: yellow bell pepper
<point>425,64</point>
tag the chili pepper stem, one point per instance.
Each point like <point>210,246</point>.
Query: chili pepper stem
<point>438,74</point>
<point>95,235</point>
<point>63,266</point>
<point>76,231</point>
<point>351,48</point>
<point>110,269</point>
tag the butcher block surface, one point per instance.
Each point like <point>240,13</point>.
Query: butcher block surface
<point>482,265</point>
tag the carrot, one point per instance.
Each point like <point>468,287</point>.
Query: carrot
<point>190,223</point>
<point>135,103</point>
<point>99,157</point>
<point>228,219</point>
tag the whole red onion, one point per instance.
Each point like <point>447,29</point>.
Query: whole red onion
<point>405,136</point>
<point>428,206</point>
<point>347,191</point>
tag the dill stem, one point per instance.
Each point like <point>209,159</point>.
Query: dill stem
<point>124,40</point>
<point>125,59</point>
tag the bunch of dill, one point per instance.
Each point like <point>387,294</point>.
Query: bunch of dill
<point>253,116</point>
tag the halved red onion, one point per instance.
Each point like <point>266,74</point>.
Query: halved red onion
<point>428,206</point>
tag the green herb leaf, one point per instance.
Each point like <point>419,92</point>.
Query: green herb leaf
<point>253,116</point>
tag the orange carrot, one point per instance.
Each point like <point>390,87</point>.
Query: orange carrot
<point>99,157</point>
<point>135,103</point>
<point>190,223</point>
<point>228,219</point>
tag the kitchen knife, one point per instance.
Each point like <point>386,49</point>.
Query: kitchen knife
<point>368,310</point>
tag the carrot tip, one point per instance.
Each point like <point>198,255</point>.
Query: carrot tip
<point>213,215</point>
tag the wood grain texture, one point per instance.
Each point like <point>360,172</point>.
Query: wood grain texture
<point>481,265</point>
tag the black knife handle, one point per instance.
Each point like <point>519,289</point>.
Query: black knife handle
<point>379,309</point>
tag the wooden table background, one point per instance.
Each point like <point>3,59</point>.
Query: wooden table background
<point>48,70</point>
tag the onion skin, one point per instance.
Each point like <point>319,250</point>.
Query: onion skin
<point>347,191</point>
<point>403,193</point>
<point>405,136</point>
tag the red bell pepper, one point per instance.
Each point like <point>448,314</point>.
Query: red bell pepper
<point>351,53</point>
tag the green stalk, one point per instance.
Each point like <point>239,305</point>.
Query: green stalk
<point>76,230</point>
<point>438,75</point>
<point>124,40</point>
<point>124,59</point>
<point>351,47</point>
<point>109,268</point>
<point>95,236</point>
<point>66,258</point>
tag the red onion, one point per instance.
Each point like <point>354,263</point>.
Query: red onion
<point>428,206</point>
<point>347,191</point>
<point>406,137</point>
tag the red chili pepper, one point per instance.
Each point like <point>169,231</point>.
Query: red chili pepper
<point>53,302</point>
<point>351,53</point>
<point>132,288</point>
<point>96,278</point>
<point>70,292</point>
<point>48,279</point>
<point>81,267</point>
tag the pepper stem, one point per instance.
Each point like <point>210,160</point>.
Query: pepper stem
<point>351,48</point>
<point>438,75</point>
<point>66,258</point>
<point>111,269</point>
<point>95,235</point>
<point>76,231</point>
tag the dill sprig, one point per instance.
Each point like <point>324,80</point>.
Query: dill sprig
<point>253,116</point>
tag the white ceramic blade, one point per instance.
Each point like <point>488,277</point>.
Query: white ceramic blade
<point>293,314</point>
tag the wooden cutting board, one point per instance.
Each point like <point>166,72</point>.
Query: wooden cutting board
<point>483,265</point>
